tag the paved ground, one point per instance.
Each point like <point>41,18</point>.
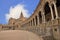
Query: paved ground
<point>18,35</point>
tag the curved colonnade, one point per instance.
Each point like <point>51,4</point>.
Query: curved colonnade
<point>44,18</point>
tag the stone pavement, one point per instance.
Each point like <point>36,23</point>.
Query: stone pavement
<point>18,35</point>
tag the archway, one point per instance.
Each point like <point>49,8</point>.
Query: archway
<point>40,17</point>
<point>58,6</point>
<point>47,12</point>
<point>36,20</point>
<point>33,22</point>
<point>53,11</point>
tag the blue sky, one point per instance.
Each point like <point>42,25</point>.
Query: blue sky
<point>5,6</point>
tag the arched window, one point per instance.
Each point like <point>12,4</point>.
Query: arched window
<point>47,12</point>
<point>53,11</point>
<point>58,7</point>
<point>33,22</point>
<point>36,19</point>
<point>40,17</point>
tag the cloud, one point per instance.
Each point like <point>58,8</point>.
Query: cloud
<point>14,12</point>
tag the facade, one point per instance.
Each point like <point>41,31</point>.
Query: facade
<point>17,22</point>
<point>45,21</point>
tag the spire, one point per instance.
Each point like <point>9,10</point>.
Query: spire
<point>21,15</point>
<point>21,18</point>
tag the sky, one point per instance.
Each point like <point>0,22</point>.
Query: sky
<point>13,8</point>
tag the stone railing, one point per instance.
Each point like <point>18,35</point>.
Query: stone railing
<point>48,23</point>
<point>53,22</point>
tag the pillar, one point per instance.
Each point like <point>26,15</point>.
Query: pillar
<point>43,17</point>
<point>38,19</point>
<point>32,22</point>
<point>54,3</point>
<point>51,12</point>
<point>35,21</point>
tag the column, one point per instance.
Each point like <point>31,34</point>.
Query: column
<point>32,22</point>
<point>29,23</point>
<point>35,21</point>
<point>55,9</point>
<point>38,19</point>
<point>51,12</point>
<point>43,17</point>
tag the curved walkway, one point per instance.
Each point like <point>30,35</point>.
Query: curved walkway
<point>18,35</point>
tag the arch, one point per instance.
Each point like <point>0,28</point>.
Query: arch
<point>36,20</point>
<point>58,7</point>
<point>47,12</point>
<point>40,17</point>
<point>33,22</point>
<point>53,11</point>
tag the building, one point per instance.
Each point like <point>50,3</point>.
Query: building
<point>45,21</point>
<point>17,22</point>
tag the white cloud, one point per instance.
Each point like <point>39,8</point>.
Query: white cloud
<point>14,12</point>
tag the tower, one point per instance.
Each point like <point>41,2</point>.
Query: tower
<point>22,18</point>
<point>21,15</point>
